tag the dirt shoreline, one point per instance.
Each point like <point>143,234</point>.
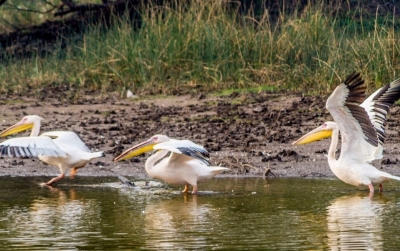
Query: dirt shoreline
<point>247,133</point>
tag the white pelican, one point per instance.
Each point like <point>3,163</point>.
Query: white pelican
<point>362,129</point>
<point>63,149</point>
<point>187,164</point>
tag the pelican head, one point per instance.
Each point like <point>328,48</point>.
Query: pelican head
<point>143,147</point>
<point>26,123</point>
<point>322,132</point>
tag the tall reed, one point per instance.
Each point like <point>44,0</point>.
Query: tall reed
<point>204,46</point>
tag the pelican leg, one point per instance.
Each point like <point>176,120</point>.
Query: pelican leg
<point>186,189</point>
<point>194,191</point>
<point>380,188</point>
<point>371,190</point>
<point>54,180</point>
<point>73,171</point>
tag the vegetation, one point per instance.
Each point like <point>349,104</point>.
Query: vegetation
<point>209,46</point>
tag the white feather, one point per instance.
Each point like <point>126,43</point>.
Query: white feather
<point>353,138</point>
<point>35,145</point>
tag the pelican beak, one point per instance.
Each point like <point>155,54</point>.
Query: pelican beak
<point>18,127</point>
<point>143,147</point>
<point>316,134</point>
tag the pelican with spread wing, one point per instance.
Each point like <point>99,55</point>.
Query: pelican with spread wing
<point>362,129</point>
<point>186,165</point>
<point>63,149</point>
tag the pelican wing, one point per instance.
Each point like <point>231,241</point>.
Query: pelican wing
<point>185,158</point>
<point>358,134</point>
<point>185,147</point>
<point>67,138</point>
<point>377,107</point>
<point>30,146</point>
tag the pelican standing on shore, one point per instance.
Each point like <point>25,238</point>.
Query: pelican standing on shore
<point>186,165</point>
<point>362,129</point>
<point>63,149</point>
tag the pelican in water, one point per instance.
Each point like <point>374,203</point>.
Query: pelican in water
<point>362,129</point>
<point>186,165</point>
<point>63,149</point>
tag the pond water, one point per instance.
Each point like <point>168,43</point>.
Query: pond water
<point>228,214</point>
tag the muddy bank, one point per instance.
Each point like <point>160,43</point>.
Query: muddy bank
<point>247,133</point>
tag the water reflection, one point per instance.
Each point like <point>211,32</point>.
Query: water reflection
<point>56,221</point>
<point>241,214</point>
<point>169,223</point>
<point>354,223</point>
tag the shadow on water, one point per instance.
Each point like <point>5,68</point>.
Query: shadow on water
<point>228,214</point>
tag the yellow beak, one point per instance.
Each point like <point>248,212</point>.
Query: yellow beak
<point>316,134</point>
<point>16,129</point>
<point>134,151</point>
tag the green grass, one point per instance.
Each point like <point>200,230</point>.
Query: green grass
<point>204,47</point>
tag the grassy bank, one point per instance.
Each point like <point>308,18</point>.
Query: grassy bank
<point>205,47</point>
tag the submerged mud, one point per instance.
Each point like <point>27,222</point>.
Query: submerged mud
<point>251,133</point>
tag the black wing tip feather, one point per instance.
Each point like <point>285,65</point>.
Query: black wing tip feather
<point>198,153</point>
<point>25,152</point>
<point>383,90</point>
<point>389,93</point>
<point>355,84</point>
<point>368,129</point>
<point>355,97</point>
<point>352,76</point>
<point>14,151</point>
<point>383,100</point>
<point>354,79</point>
